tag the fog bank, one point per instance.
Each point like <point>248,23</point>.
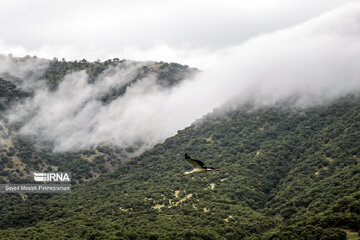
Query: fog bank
<point>317,61</point>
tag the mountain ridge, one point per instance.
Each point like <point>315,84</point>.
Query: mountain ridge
<point>265,155</point>
<point>22,154</point>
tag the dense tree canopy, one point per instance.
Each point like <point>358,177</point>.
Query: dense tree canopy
<point>286,173</point>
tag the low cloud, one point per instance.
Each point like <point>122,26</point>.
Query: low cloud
<point>29,68</point>
<point>316,61</point>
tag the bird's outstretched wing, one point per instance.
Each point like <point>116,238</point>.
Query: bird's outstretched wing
<point>195,163</point>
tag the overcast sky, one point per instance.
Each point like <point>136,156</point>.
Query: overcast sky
<point>186,31</point>
<point>260,50</point>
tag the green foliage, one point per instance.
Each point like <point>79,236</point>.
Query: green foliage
<point>20,157</point>
<point>9,94</point>
<point>285,174</point>
<point>166,74</point>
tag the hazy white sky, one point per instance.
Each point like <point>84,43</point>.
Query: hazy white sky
<point>186,31</point>
<point>263,50</point>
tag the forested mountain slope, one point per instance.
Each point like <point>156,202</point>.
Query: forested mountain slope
<point>286,173</point>
<point>21,77</point>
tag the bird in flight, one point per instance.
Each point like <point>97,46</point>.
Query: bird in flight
<point>199,167</point>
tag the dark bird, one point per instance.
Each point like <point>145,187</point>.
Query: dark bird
<point>199,167</point>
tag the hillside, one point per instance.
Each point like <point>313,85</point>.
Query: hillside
<point>286,173</point>
<point>22,154</point>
